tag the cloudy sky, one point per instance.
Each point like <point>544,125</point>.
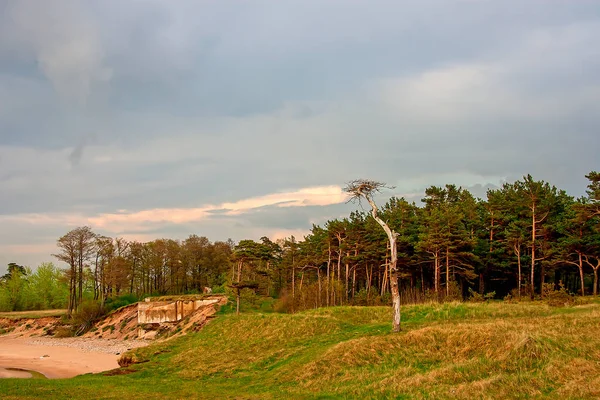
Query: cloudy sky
<point>163,118</point>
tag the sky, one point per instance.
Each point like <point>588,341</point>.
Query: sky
<point>150,119</point>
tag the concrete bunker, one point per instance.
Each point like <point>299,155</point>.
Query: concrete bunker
<point>153,313</point>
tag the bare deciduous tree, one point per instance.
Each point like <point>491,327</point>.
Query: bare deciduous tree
<point>77,248</point>
<point>363,188</point>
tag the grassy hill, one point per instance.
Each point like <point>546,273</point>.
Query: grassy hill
<point>488,350</point>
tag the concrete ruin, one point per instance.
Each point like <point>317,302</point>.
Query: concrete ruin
<point>152,314</point>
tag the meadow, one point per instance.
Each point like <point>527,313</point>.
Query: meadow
<point>493,350</point>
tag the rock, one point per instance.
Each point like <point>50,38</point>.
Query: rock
<point>128,359</point>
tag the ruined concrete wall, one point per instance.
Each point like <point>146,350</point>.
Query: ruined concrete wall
<point>151,312</point>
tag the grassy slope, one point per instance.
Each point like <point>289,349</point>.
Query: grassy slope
<point>494,350</point>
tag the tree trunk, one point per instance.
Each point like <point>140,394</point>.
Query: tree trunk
<point>293,285</point>
<point>347,278</point>
<point>581,274</point>
<point>393,266</point>
<point>80,282</point>
<point>339,268</point>
<point>436,267</point>
<point>384,281</point>
<point>518,252</point>
<point>328,268</point>
<point>72,290</point>
<point>354,282</point>
<point>533,251</point>
<point>319,298</point>
<point>96,285</point>
<point>595,268</point>
<point>239,271</point>
<point>447,272</point>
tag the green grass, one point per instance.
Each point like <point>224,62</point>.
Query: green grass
<point>453,350</point>
<point>32,314</point>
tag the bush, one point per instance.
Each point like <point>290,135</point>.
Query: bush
<point>64,331</point>
<point>454,292</point>
<point>477,297</point>
<point>514,294</point>
<point>557,298</point>
<point>364,298</point>
<point>87,313</point>
<point>113,303</point>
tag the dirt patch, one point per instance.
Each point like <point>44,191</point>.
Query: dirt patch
<point>118,371</point>
<point>120,324</point>
<point>29,326</point>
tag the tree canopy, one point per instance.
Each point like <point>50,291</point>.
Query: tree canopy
<point>521,238</point>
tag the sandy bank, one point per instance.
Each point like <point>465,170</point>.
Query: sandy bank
<point>61,358</point>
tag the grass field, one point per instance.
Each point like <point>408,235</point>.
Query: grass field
<point>32,314</point>
<point>454,350</point>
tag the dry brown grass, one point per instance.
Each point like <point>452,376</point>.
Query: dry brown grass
<point>445,351</point>
<point>484,359</point>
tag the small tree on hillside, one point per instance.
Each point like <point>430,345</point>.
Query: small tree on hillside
<point>363,188</point>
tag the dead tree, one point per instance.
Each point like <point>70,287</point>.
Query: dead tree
<point>362,188</point>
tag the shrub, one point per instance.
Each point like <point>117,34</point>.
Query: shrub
<point>477,297</point>
<point>364,298</point>
<point>64,331</point>
<point>557,298</point>
<point>113,303</point>
<point>83,319</point>
<point>454,292</point>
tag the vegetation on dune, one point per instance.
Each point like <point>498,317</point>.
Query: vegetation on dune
<point>523,236</point>
<point>450,350</point>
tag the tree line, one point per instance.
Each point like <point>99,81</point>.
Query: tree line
<point>522,238</point>
<point>21,289</point>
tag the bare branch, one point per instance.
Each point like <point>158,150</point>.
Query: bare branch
<point>364,188</point>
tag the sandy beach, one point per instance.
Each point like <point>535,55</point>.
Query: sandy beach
<point>60,358</point>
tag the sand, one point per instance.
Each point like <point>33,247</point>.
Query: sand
<point>59,358</point>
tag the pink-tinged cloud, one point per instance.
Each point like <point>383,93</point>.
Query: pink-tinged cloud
<point>123,220</point>
<point>298,234</point>
<point>313,196</point>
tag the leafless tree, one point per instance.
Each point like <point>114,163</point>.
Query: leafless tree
<point>363,188</point>
<point>76,249</point>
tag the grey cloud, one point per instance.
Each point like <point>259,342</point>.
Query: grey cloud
<point>63,41</point>
<point>196,103</point>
